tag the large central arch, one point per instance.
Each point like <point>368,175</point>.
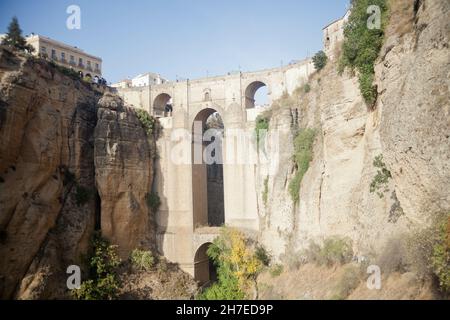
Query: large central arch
<point>207,178</point>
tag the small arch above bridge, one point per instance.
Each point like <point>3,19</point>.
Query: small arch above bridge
<point>161,103</point>
<point>250,93</point>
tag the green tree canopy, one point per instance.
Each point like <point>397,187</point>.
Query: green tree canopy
<point>14,37</point>
<point>320,60</point>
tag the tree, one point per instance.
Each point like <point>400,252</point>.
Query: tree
<point>320,60</point>
<point>14,37</point>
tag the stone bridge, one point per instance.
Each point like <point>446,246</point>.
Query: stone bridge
<point>184,224</point>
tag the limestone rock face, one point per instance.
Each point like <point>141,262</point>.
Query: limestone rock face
<point>410,127</point>
<point>123,175</point>
<point>60,141</point>
<point>413,81</point>
<point>46,149</point>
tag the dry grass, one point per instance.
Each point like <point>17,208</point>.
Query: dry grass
<point>401,17</point>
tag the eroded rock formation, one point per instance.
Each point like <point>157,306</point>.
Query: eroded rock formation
<point>410,127</point>
<point>60,141</point>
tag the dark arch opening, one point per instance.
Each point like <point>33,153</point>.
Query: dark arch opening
<point>256,94</point>
<point>205,271</point>
<point>162,105</point>
<point>207,174</point>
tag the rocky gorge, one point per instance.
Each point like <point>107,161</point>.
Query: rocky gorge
<point>75,159</point>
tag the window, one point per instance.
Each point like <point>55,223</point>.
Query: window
<point>96,66</point>
<point>63,56</point>
<point>72,58</point>
<point>80,62</point>
<point>89,63</point>
<point>44,49</point>
<point>53,54</point>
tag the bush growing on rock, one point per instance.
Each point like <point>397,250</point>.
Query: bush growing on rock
<point>381,179</point>
<point>362,45</point>
<point>148,122</point>
<point>153,201</point>
<point>320,60</point>
<point>276,270</point>
<point>261,127</point>
<point>104,282</point>
<point>237,266</point>
<point>142,260</point>
<point>440,259</point>
<point>262,255</point>
<point>335,250</point>
<point>303,145</point>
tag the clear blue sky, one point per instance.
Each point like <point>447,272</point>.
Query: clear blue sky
<point>182,38</point>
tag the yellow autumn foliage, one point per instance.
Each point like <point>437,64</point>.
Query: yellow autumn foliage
<point>241,256</point>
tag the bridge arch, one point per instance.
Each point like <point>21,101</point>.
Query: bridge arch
<point>250,92</point>
<point>207,174</point>
<point>204,269</point>
<point>160,103</point>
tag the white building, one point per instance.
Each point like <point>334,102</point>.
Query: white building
<point>333,35</point>
<point>147,79</point>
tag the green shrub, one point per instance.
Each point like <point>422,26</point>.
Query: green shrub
<point>335,250</point>
<point>142,259</point>
<point>153,201</point>
<point>104,282</point>
<point>262,255</point>
<point>148,122</point>
<point>307,88</point>
<point>237,266</point>
<point>261,127</point>
<point>226,288</point>
<point>362,45</point>
<point>303,145</point>
<point>14,38</point>
<point>82,195</point>
<point>276,270</point>
<point>265,194</point>
<point>320,60</point>
<point>440,259</point>
<point>382,177</point>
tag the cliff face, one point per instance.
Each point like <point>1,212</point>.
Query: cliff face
<point>123,175</point>
<point>58,145</point>
<point>410,127</point>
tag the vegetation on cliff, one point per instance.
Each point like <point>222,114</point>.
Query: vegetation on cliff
<point>303,145</point>
<point>142,260</point>
<point>320,60</point>
<point>440,258</point>
<point>382,177</point>
<point>237,263</point>
<point>362,44</point>
<point>261,127</point>
<point>104,282</point>
<point>148,122</point>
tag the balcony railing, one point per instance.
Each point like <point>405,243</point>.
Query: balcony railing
<point>72,63</point>
<point>81,65</point>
